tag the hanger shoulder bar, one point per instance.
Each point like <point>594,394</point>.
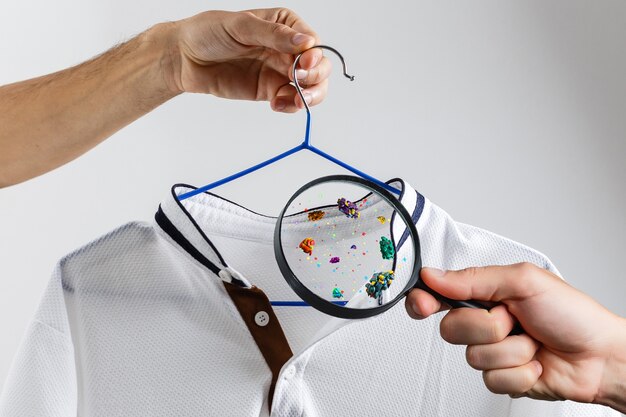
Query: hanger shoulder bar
<point>241,173</point>
<point>352,169</point>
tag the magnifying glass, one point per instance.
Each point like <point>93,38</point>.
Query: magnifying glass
<point>349,248</point>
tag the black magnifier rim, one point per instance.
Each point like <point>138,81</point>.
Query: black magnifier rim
<point>316,301</point>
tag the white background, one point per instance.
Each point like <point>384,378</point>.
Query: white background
<point>509,115</point>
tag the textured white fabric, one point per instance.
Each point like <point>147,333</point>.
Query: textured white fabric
<point>133,325</point>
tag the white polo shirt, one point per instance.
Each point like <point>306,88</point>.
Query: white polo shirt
<point>172,318</point>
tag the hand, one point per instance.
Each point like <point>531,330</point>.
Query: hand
<point>50,120</point>
<point>572,348</point>
<point>248,55</point>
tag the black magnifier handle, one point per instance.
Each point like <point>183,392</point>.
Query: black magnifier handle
<point>517,329</point>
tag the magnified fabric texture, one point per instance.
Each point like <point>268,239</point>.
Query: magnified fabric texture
<point>347,242</point>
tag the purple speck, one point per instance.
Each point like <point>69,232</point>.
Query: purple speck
<point>348,208</point>
<point>353,247</point>
<point>334,259</point>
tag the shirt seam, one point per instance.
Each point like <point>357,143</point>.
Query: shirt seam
<point>62,333</point>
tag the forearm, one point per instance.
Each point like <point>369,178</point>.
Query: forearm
<point>613,389</point>
<point>48,121</point>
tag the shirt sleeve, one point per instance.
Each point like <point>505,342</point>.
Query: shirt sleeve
<point>523,407</point>
<point>451,245</point>
<point>42,378</point>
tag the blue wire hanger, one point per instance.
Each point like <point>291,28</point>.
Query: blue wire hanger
<point>304,145</point>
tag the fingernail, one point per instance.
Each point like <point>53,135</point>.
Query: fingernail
<point>418,313</point>
<point>300,38</point>
<point>307,97</point>
<point>280,105</point>
<point>316,60</point>
<point>436,272</point>
<point>301,74</point>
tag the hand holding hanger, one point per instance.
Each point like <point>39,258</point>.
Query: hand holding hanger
<point>50,120</point>
<point>248,55</point>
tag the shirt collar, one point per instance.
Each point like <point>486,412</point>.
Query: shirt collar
<point>181,221</point>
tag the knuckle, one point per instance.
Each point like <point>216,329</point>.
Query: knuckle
<point>282,13</point>
<point>242,19</point>
<point>527,270</point>
<point>473,272</point>
<point>446,330</point>
<point>525,274</point>
<point>239,22</point>
<point>278,29</point>
<point>470,272</point>
<point>499,329</point>
<point>474,357</point>
<point>529,378</point>
<point>528,348</point>
<point>491,382</point>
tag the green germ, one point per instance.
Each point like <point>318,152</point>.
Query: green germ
<point>378,283</point>
<point>386,248</point>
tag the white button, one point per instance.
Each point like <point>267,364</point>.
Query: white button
<point>262,318</point>
<point>290,372</point>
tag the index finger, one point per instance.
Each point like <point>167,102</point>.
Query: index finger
<point>310,58</point>
<point>490,283</point>
<point>420,304</point>
<point>288,17</point>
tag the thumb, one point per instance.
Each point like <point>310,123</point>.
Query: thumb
<point>490,283</point>
<point>254,31</point>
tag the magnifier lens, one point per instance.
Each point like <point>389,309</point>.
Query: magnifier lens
<point>347,245</point>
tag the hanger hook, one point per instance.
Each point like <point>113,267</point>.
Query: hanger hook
<point>295,64</point>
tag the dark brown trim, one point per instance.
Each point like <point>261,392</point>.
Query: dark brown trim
<point>270,339</point>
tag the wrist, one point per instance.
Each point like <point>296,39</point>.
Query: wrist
<point>164,37</point>
<point>612,390</point>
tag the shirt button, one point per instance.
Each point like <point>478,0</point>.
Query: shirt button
<point>262,318</point>
<point>290,372</point>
